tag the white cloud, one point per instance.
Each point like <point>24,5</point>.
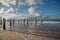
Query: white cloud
<point>21,2</point>
<point>13,2</point>
<point>8,16</point>
<point>13,11</point>
<point>3,10</point>
<point>30,2</point>
<point>39,1</point>
<point>15,16</point>
<point>9,13</point>
<point>33,11</point>
<point>4,2</point>
<point>8,2</point>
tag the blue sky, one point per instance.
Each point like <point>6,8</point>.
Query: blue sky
<point>51,7</point>
<point>46,8</point>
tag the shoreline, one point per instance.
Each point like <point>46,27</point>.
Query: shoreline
<point>10,35</point>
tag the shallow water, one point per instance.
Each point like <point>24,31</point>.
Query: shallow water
<point>46,28</point>
<point>31,25</point>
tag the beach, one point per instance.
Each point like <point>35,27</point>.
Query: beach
<point>9,35</point>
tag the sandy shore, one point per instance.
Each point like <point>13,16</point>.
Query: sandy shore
<point>8,35</point>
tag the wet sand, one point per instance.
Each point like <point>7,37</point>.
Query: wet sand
<point>9,35</point>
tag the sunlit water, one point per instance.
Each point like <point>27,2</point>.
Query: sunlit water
<point>47,28</point>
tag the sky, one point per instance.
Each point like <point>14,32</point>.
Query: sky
<point>44,8</point>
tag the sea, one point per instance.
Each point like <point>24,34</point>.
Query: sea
<point>49,28</point>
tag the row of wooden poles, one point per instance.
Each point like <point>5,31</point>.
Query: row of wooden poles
<point>13,21</point>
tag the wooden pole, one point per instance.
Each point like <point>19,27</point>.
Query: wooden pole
<point>18,20</point>
<point>10,23</point>
<point>13,22</point>
<point>4,20</point>
<point>24,22</point>
<point>35,23</point>
<point>1,20</point>
<point>27,23</point>
<point>42,22</point>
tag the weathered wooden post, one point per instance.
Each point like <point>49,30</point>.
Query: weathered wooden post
<point>18,20</point>
<point>13,22</point>
<point>27,23</point>
<point>4,20</point>
<point>24,22</point>
<point>35,23</point>
<point>41,22</point>
<point>10,23</point>
<point>21,22</point>
<point>1,20</point>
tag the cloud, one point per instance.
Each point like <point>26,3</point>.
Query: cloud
<point>13,11</point>
<point>21,2</point>
<point>8,2</point>
<point>9,13</point>
<point>13,2</point>
<point>30,2</point>
<point>4,2</point>
<point>33,11</point>
<point>33,2</point>
<point>26,2</point>
<point>8,16</point>
<point>39,1</point>
<point>15,16</point>
<point>3,10</point>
